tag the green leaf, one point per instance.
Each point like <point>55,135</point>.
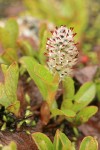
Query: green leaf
<point>98,89</point>
<point>4,38</point>
<point>31,7</point>
<point>42,28</point>
<point>61,142</point>
<point>67,104</point>
<point>42,141</point>
<point>9,34</point>
<point>42,58</point>
<point>45,81</point>
<point>12,28</point>
<point>26,48</point>
<point>4,68</point>
<point>14,108</point>
<point>68,86</point>
<point>8,89</point>
<point>89,143</point>
<point>84,96</point>
<point>68,94</point>
<point>66,113</point>
<point>85,114</point>
<point>9,56</point>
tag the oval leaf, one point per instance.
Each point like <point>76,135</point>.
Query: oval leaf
<point>66,113</point>
<point>61,142</point>
<point>42,141</point>
<point>84,96</point>
<point>89,143</point>
<point>85,114</point>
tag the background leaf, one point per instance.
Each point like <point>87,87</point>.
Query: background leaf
<point>85,114</point>
<point>61,142</point>
<point>98,89</point>
<point>4,38</point>
<point>8,56</point>
<point>89,143</point>
<point>42,141</point>
<point>8,89</point>
<point>66,113</point>
<point>42,49</point>
<point>84,96</point>
<point>9,34</point>
<point>26,48</point>
<point>11,27</point>
<point>8,38</point>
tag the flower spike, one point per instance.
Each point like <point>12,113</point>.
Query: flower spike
<point>62,53</point>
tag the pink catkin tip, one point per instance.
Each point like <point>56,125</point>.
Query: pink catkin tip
<point>71,28</point>
<point>76,43</point>
<point>52,32</point>
<point>74,34</point>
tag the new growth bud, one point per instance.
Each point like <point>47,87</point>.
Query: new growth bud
<point>62,53</point>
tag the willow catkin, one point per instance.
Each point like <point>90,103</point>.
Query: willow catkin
<point>62,53</point>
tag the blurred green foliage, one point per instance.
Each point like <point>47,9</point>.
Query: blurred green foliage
<point>67,12</point>
<point>83,15</point>
<point>8,38</point>
<point>92,32</point>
